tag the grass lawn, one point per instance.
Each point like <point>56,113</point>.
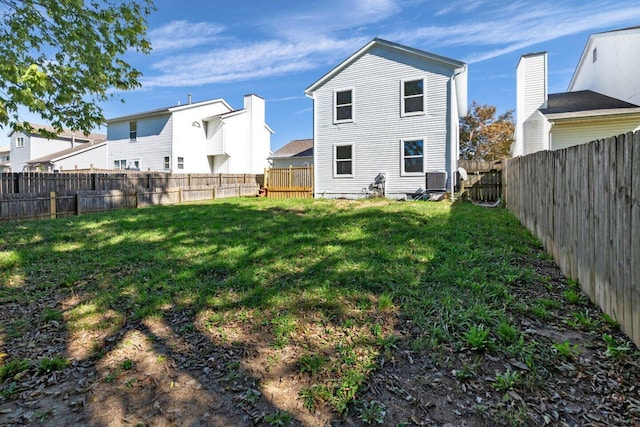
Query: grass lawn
<point>322,294</point>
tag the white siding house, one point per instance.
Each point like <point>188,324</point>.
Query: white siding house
<point>609,65</point>
<point>84,156</point>
<point>386,111</point>
<point>26,146</point>
<point>201,137</point>
<point>602,100</point>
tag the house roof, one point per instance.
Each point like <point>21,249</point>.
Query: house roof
<point>67,152</point>
<point>295,148</point>
<point>172,109</point>
<point>585,103</point>
<point>380,42</point>
<point>66,133</point>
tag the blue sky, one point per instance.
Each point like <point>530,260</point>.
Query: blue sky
<point>276,49</point>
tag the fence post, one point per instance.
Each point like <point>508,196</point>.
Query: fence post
<point>290,176</point>
<point>78,204</point>
<point>52,204</point>
<point>180,195</point>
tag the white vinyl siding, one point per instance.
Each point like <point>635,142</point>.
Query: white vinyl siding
<point>152,140</point>
<point>567,134</point>
<point>615,69</point>
<point>375,77</point>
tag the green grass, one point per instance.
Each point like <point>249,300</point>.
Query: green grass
<point>284,269</point>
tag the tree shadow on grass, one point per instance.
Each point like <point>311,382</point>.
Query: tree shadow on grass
<point>234,312</point>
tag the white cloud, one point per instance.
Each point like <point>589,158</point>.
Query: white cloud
<point>178,35</point>
<point>245,62</point>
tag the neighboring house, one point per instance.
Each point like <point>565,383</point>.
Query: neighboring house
<point>26,146</point>
<point>385,116</point>
<point>602,100</point>
<point>201,137</point>
<point>84,156</point>
<point>5,156</point>
<point>298,152</point>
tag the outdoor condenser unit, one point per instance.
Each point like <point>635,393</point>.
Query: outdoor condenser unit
<point>437,182</point>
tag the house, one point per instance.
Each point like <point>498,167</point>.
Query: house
<point>83,156</point>
<point>5,156</point>
<point>383,118</point>
<point>26,146</point>
<point>201,137</point>
<point>603,98</point>
<point>298,152</point>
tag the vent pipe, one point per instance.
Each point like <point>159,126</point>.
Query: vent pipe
<point>189,98</point>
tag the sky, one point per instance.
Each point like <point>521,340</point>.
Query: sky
<point>277,48</point>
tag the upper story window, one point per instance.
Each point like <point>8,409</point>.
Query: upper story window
<point>412,97</point>
<point>133,131</point>
<point>343,160</point>
<point>343,106</point>
<point>412,157</point>
<point>20,142</point>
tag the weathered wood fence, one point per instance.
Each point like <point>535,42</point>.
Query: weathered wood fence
<point>484,181</point>
<point>583,202</point>
<point>36,195</point>
<point>291,182</point>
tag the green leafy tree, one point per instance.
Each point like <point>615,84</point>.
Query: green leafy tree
<point>61,58</point>
<point>483,136</point>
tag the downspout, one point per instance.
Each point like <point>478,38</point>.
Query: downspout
<point>455,130</point>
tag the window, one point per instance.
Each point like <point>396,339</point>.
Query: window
<point>180,162</point>
<point>20,142</point>
<point>167,162</point>
<point>134,164</point>
<point>412,97</point>
<point>343,101</point>
<point>412,157</point>
<point>120,164</point>
<point>133,131</point>
<point>343,155</point>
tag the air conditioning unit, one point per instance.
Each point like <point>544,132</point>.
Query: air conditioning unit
<point>436,181</point>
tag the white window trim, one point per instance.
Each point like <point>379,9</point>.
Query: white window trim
<point>21,140</point>
<point>424,97</point>
<point>334,160</point>
<point>335,105</point>
<point>180,165</point>
<point>166,164</point>
<point>424,156</point>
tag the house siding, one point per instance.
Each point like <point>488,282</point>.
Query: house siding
<point>95,156</point>
<point>581,132</point>
<point>378,126</point>
<point>152,144</point>
<point>615,72</point>
<point>531,94</point>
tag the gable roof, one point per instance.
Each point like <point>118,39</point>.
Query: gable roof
<point>67,152</point>
<point>66,133</point>
<point>172,109</point>
<point>295,148</point>
<point>585,103</point>
<point>380,42</point>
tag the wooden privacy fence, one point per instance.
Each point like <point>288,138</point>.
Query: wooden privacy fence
<point>484,181</point>
<point>62,195</point>
<point>293,182</point>
<point>583,202</point>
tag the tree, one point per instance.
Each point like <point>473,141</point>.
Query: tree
<point>483,136</point>
<point>61,58</point>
